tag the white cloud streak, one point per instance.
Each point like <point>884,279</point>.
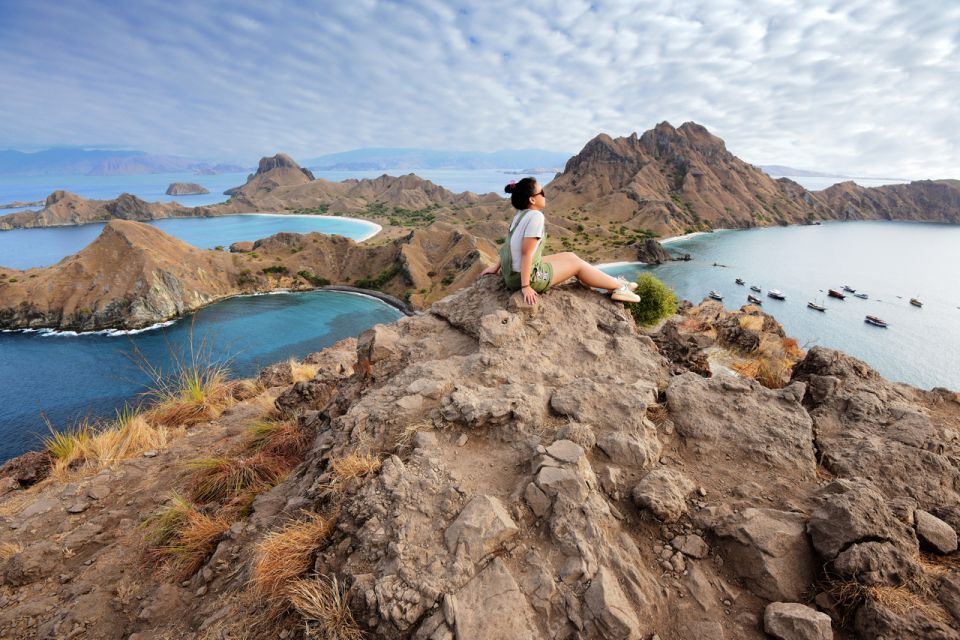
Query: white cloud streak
<point>863,86</point>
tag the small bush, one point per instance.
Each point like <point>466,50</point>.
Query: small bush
<point>323,604</point>
<point>224,479</point>
<point>181,537</point>
<point>280,439</point>
<point>316,281</point>
<point>657,301</point>
<point>277,269</point>
<point>286,554</point>
<point>245,278</point>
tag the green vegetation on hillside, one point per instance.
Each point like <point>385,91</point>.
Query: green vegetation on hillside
<point>657,301</point>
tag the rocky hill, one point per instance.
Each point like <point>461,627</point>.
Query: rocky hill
<point>134,275</point>
<point>489,470</point>
<point>923,200</point>
<point>62,208</point>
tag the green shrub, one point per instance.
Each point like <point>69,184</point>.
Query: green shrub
<point>278,269</point>
<point>657,301</point>
<point>316,281</point>
<point>245,277</point>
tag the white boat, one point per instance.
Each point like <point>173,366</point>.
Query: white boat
<point>776,295</point>
<point>861,295</point>
<point>715,295</point>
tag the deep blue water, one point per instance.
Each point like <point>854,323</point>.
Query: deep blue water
<point>69,377</point>
<point>890,261</point>
<point>27,248</point>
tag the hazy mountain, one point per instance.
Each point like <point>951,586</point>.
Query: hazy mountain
<point>781,170</point>
<point>409,159</point>
<point>101,162</point>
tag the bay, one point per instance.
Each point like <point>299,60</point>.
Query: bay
<point>64,378</point>
<point>890,261</point>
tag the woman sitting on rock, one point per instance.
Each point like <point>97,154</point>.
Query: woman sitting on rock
<point>521,261</point>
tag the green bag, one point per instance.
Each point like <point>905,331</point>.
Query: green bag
<point>541,273</point>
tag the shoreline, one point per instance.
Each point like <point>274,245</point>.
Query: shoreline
<point>385,298</point>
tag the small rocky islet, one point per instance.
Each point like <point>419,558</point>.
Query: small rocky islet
<point>532,472</point>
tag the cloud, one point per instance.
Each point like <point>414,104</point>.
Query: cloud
<point>859,86</point>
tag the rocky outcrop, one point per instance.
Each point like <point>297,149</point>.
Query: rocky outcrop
<point>62,208</point>
<point>652,252</point>
<point>545,464</point>
<point>924,200</point>
<point>186,189</point>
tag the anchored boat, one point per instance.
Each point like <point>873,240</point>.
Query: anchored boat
<point>849,289</point>
<point>757,289</point>
<point>739,281</point>
<point>816,307</point>
<point>875,321</point>
<point>915,302</point>
<point>862,296</point>
<point>754,300</point>
<point>833,293</point>
<point>776,295</point>
<point>715,295</point>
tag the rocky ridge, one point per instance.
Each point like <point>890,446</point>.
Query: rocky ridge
<point>551,465</point>
<point>186,189</point>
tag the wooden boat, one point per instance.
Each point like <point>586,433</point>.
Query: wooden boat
<point>757,289</point>
<point>862,296</point>
<point>849,289</point>
<point>776,295</point>
<point>875,321</point>
<point>739,281</point>
<point>715,295</point>
<point>833,293</point>
<point>916,302</point>
<point>816,307</point>
<point>754,300</point>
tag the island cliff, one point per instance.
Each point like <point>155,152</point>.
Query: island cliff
<point>489,470</point>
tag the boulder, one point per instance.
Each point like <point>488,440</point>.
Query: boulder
<point>769,551</point>
<point>664,493</point>
<point>28,469</point>
<point>935,533</point>
<point>492,606</point>
<point>480,529</point>
<point>241,247</point>
<point>276,375</point>
<point>793,621</point>
<point>691,545</point>
<point>630,450</point>
<point>611,610</point>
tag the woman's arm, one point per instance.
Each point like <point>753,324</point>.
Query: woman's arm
<point>491,270</point>
<point>526,267</point>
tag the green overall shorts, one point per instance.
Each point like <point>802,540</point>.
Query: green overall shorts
<point>542,272</point>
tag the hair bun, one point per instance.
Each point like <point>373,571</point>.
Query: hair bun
<point>510,187</point>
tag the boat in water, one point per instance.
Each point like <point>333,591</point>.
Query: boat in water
<point>862,296</point>
<point>757,289</point>
<point>816,307</point>
<point>833,293</point>
<point>915,302</point>
<point>776,295</point>
<point>875,321</point>
<point>754,300</point>
<point>849,289</point>
<point>715,295</point>
<point>739,280</point>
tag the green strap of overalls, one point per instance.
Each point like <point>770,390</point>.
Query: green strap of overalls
<point>512,278</point>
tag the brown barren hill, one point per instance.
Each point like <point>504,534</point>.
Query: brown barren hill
<point>926,200</point>
<point>131,276</point>
<point>63,208</point>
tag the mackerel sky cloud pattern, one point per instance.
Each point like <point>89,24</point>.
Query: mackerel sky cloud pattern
<point>867,87</point>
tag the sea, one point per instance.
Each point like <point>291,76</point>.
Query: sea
<point>56,379</point>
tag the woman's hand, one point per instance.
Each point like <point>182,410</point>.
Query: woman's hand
<point>491,270</point>
<point>529,295</point>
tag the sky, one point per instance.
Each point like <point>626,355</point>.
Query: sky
<point>865,87</point>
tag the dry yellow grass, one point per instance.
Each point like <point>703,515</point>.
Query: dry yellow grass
<point>323,604</point>
<point>657,413</point>
<point>90,448</point>
<point>287,553</point>
<point>302,371</point>
<point>195,394</point>
<point>9,549</point>
<point>181,538</point>
<point>284,439</point>
<point>903,601</point>
<point>223,479</point>
<point>355,465</point>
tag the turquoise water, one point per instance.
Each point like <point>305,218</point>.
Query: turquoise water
<point>28,248</point>
<point>890,261</point>
<point>69,377</point>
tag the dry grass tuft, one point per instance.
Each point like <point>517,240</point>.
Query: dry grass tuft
<point>223,479</point>
<point>9,549</point>
<point>903,602</point>
<point>356,465</point>
<point>91,447</point>
<point>286,554</point>
<point>283,439</point>
<point>181,537</point>
<point>938,565</point>
<point>302,371</point>
<point>657,413</point>
<point>323,604</point>
<point>243,389</point>
<point>405,436</point>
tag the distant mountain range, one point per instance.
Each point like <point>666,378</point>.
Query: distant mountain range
<point>102,162</point>
<point>411,159</point>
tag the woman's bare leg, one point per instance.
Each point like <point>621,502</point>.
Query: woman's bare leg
<point>569,265</point>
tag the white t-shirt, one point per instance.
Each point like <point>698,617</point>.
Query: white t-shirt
<point>532,226</point>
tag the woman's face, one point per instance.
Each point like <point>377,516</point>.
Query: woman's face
<point>538,200</point>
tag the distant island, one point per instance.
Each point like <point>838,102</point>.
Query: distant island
<point>413,159</point>
<point>186,189</point>
<point>103,162</point>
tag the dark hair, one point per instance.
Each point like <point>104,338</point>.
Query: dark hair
<point>521,192</point>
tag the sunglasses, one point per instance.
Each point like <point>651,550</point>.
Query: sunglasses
<point>539,193</point>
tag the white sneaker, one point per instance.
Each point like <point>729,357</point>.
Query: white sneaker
<point>627,283</point>
<point>623,294</point>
